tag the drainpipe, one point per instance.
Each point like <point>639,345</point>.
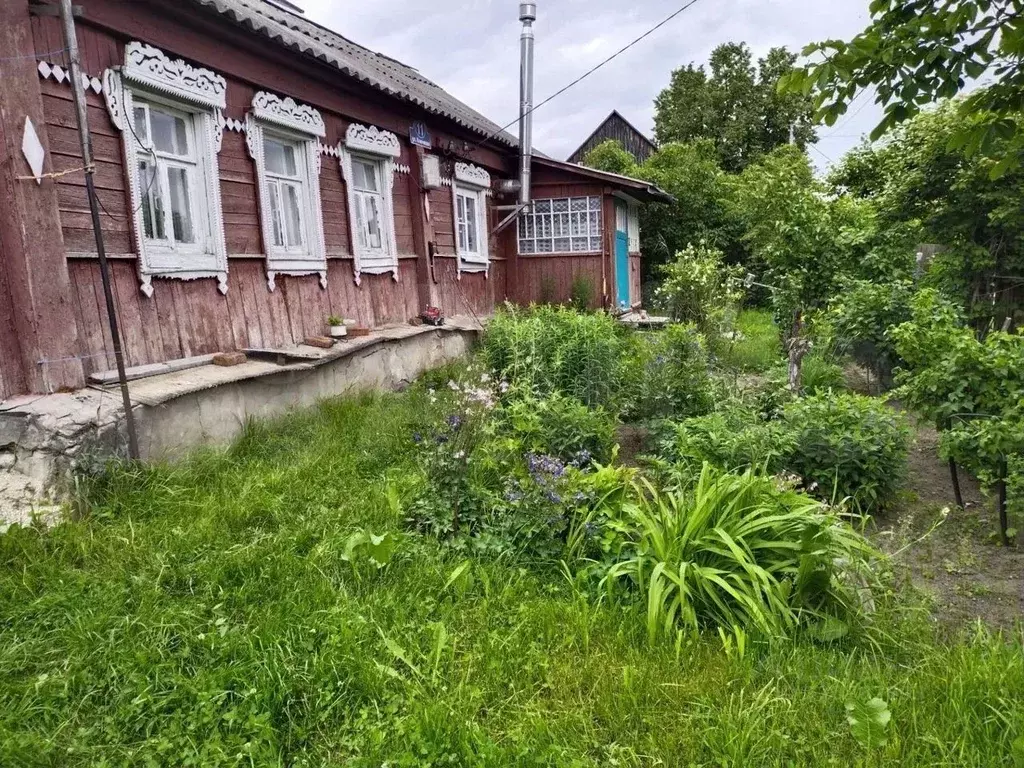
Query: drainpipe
<point>527,15</point>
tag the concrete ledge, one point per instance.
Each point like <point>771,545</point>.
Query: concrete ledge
<point>44,439</point>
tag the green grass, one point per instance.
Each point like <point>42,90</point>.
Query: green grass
<point>759,345</point>
<point>206,614</point>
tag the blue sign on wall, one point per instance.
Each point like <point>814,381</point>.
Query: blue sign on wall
<point>419,135</point>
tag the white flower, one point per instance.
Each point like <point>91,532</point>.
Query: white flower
<point>484,377</point>
<point>460,455</point>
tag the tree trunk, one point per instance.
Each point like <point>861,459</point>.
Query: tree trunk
<point>797,347</point>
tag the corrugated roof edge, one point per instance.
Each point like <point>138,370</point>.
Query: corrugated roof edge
<point>643,188</point>
<point>379,72</point>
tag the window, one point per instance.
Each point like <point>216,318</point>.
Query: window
<point>368,158</point>
<point>369,205</point>
<point>562,225</point>
<point>286,194</point>
<point>169,115</point>
<point>168,170</point>
<point>283,139</point>
<point>634,228</point>
<point>466,222</point>
<point>469,207</point>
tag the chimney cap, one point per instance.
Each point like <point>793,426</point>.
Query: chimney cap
<point>527,11</point>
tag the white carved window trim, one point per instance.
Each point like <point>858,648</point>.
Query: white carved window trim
<point>474,182</point>
<point>383,147</point>
<point>156,78</point>
<point>301,126</point>
<point>634,228</point>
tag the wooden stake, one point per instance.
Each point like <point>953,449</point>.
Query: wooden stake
<point>78,91</point>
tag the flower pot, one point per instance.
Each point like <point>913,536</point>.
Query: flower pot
<point>338,331</point>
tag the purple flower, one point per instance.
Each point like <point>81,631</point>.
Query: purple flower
<point>455,421</point>
<point>553,497</point>
<point>441,439</point>
<point>417,438</point>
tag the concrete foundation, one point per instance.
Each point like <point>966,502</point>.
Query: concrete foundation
<point>46,439</point>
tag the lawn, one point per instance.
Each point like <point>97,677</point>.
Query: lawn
<point>216,612</point>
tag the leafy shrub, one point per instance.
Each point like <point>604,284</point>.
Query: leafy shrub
<point>861,316</point>
<point>560,426</point>
<point>667,374</point>
<point>553,349</point>
<point>582,293</point>
<point>697,287</point>
<point>820,373</point>
<point>737,551</point>
<point>732,439</point>
<point>848,446</point>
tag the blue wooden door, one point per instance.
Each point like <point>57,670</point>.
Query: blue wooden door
<point>621,257</point>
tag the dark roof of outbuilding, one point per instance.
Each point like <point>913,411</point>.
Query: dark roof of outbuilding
<point>376,70</point>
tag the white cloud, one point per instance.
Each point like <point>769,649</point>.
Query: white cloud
<point>471,48</point>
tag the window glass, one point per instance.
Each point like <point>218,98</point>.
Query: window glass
<point>141,124</point>
<point>373,222</point>
<point>280,158</point>
<point>293,215</point>
<point>365,175</point>
<point>562,225</point>
<point>471,234</point>
<point>181,207</point>
<point>170,134</point>
<point>152,205</point>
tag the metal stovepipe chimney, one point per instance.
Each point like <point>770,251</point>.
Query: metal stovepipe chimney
<point>527,15</point>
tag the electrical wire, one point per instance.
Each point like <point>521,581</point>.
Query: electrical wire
<point>35,56</point>
<point>591,71</point>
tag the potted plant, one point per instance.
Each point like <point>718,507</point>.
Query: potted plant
<point>337,325</point>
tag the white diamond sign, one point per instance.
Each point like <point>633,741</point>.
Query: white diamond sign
<point>33,150</point>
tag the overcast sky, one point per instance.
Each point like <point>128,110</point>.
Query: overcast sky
<point>471,48</point>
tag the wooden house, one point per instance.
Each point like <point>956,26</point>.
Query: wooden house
<point>617,128</point>
<point>258,173</point>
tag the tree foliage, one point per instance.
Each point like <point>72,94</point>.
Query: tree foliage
<point>916,52</point>
<point>737,106</point>
<point>612,157</point>
<point>925,189</point>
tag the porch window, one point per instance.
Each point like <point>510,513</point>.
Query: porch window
<point>562,225</point>
<point>634,228</point>
<point>284,140</point>
<point>368,158</point>
<point>469,204</point>
<point>170,117</point>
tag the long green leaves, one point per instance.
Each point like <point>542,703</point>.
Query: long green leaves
<point>736,551</point>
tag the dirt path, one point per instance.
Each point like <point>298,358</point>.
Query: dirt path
<point>960,563</point>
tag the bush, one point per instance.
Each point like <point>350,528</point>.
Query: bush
<point>582,293</point>
<point>738,552</point>
<point>820,373</point>
<point>848,446</point>
<point>560,426</point>
<point>861,316</point>
<point>554,349</point>
<point>667,375</point>
<point>697,287</point>
<point>732,439</point>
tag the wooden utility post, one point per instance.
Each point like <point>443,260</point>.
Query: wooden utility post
<point>78,90</point>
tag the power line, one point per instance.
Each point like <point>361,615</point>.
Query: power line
<point>821,153</point>
<point>592,70</point>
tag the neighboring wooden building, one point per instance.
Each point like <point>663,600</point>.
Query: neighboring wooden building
<point>257,173</point>
<point>616,127</point>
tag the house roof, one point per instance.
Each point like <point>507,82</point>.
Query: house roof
<point>642,190</point>
<point>374,69</point>
<point>603,123</point>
